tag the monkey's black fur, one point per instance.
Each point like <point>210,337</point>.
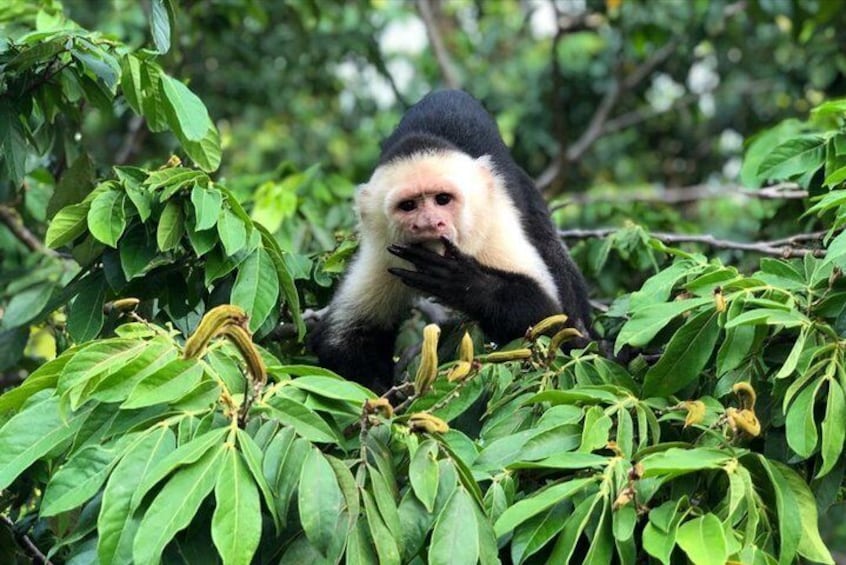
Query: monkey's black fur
<point>505,304</point>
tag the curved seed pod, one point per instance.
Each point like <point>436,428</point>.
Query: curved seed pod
<point>744,420</point>
<point>460,371</point>
<point>425,422</point>
<point>121,305</point>
<point>428,369</point>
<point>244,344</point>
<point>379,405</point>
<point>695,412</point>
<point>211,324</point>
<point>465,350</point>
<point>547,324</point>
<point>503,356</point>
<point>745,394</point>
<point>561,337</point>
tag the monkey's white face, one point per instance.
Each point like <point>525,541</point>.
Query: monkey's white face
<point>425,197</point>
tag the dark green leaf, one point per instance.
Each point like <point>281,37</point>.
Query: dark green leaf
<point>236,522</point>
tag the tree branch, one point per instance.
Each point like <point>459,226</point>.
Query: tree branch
<point>10,218</point>
<point>427,10</point>
<point>26,543</point>
<point>688,194</point>
<point>778,248</point>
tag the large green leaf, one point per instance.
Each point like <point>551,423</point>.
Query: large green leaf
<point>27,304</point>
<point>116,526</point>
<point>704,540</point>
<point>455,537</point>
<point>170,383</point>
<point>171,226</point>
<point>536,503</point>
<point>107,217</point>
<point>646,322</point>
<point>207,204</point>
<point>186,113</point>
<point>423,473</point>
<point>78,480</point>
<point>797,156</point>
<point>236,522</point>
<point>85,319</point>
<point>320,501</point>
<point>800,425</point>
<point>176,505</point>
<point>68,224</point>
<point>256,287</point>
<point>34,432</point>
<point>685,356</point>
<point>833,427</point>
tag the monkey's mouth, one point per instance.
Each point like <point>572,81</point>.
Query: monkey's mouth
<point>432,244</point>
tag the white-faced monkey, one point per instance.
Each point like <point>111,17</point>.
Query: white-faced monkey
<point>448,200</point>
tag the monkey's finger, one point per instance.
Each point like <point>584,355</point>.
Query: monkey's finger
<point>421,281</point>
<point>451,248</point>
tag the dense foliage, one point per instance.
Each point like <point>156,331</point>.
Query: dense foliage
<point>159,404</point>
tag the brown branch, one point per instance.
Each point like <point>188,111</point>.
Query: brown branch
<point>779,248</point>
<point>10,218</point>
<point>26,543</point>
<point>427,10</point>
<point>596,126</point>
<point>689,194</point>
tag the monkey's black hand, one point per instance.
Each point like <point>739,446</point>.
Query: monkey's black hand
<point>453,278</point>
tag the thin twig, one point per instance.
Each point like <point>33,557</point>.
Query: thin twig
<point>778,248</point>
<point>449,73</point>
<point>26,543</point>
<point>10,218</point>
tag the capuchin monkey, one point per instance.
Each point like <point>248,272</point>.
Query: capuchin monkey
<point>447,214</point>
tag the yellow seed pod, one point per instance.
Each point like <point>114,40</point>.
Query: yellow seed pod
<point>459,371</point>
<point>744,420</point>
<point>503,356</point>
<point>745,394</point>
<point>380,405</point>
<point>211,324</point>
<point>244,344</point>
<point>465,350</point>
<point>428,369</point>
<point>547,324</point>
<point>425,422</point>
<point>562,337</point>
<point>121,305</point>
<point>719,300</point>
<point>695,412</point>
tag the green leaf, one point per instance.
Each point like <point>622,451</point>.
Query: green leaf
<point>130,81</point>
<point>27,304</point>
<point>360,550</point>
<point>77,480</point>
<point>286,278</point>
<point>535,533</point>
<point>98,360</point>
<point>833,427</point>
<point>252,457</point>
<point>34,432</point>
<point>704,540</point>
<point>256,287</point>
<point>797,156</point>
<point>320,501</point>
<point>85,319</point>
<point>236,522</point>
<point>330,387</point>
<point>790,527</point>
<point>233,233</point>
<point>423,473</point>
<point>537,503</point>
<point>799,423</point>
<point>44,377</point>
<point>685,356</point>
<point>676,461</point>
<point>170,383</point>
<point>171,226</point>
<point>116,526</point>
<point>646,322</point>
<point>175,506</point>
<point>386,546</point>
<point>385,501</point>
<point>13,144</point>
<point>68,224</point>
<point>302,418</point>
<point>205,153</point>
<point>657,288</point>
<point>207,205</point>
<point>107,217</point>
<point>455,537</point>
<point>160,26</point>
<point>811,546</point>
<point>185,454</point>
<point>137,252</point>
<point>186,113</point>
<point>565,545</point>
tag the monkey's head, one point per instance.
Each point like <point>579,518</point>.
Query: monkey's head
<point>420,198</point>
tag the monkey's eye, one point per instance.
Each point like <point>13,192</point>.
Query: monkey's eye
<point>407,205</point>
<point>443,199</point>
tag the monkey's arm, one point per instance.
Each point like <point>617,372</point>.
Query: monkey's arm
<point>505,304</point>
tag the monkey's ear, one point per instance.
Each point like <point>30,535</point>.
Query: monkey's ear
<point>363,196</point>
<point>487,169</point>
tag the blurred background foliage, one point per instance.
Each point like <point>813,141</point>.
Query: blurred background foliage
<point>623,110</point>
